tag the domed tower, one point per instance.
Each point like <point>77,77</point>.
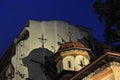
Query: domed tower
<point>71,57</point>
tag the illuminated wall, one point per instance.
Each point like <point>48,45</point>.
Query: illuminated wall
<point>110,71</point>
<point>47,34</point>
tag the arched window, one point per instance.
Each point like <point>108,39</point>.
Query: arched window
<point>69,64</point>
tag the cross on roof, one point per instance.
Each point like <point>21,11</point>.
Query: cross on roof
<point>70,35</point>
<point>42,40</point>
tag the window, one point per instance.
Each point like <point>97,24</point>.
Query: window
<point>69,63</point>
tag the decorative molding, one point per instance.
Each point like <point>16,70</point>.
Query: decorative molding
<point>109,67</point>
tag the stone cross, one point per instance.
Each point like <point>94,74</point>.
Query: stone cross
<point>70,35</point>
<point>43,40</point>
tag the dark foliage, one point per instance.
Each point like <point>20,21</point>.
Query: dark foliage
<point>109,12</point>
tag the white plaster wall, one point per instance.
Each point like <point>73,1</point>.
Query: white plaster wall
<point>22,50</point>
<point>66,63</point>
<point>77,62</point>
<point>74,62</point>
<point>50,30</point>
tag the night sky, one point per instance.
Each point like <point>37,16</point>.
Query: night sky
<point>14,14</point>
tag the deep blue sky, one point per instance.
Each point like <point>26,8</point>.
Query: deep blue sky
<point>14,14</point>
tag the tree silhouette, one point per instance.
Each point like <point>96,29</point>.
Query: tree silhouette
<point>109,12</point>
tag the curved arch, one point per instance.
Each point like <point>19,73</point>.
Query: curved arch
<point>68,63</point>
<point>80,62</point>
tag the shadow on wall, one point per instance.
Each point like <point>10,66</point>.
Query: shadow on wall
<point>40,64</point>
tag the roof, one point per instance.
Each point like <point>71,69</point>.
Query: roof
<point>98,62</point>
<point>72,45</point>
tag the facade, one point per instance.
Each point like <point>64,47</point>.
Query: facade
<point>29,56</point>
<point>105,67</point>
<point>56,50</point>
<point>70,58</point>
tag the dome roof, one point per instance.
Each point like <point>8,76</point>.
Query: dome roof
<point>71,45</point>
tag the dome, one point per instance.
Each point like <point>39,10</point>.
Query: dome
<point>74,48</point>
<point>72,45</point>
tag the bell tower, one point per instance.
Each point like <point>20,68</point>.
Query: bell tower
<point>70,58</point>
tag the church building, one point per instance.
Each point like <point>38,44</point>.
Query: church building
<point>104,67</point>
<point>71,58</point>
<point>31,53</point>
<point>57,50</point>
